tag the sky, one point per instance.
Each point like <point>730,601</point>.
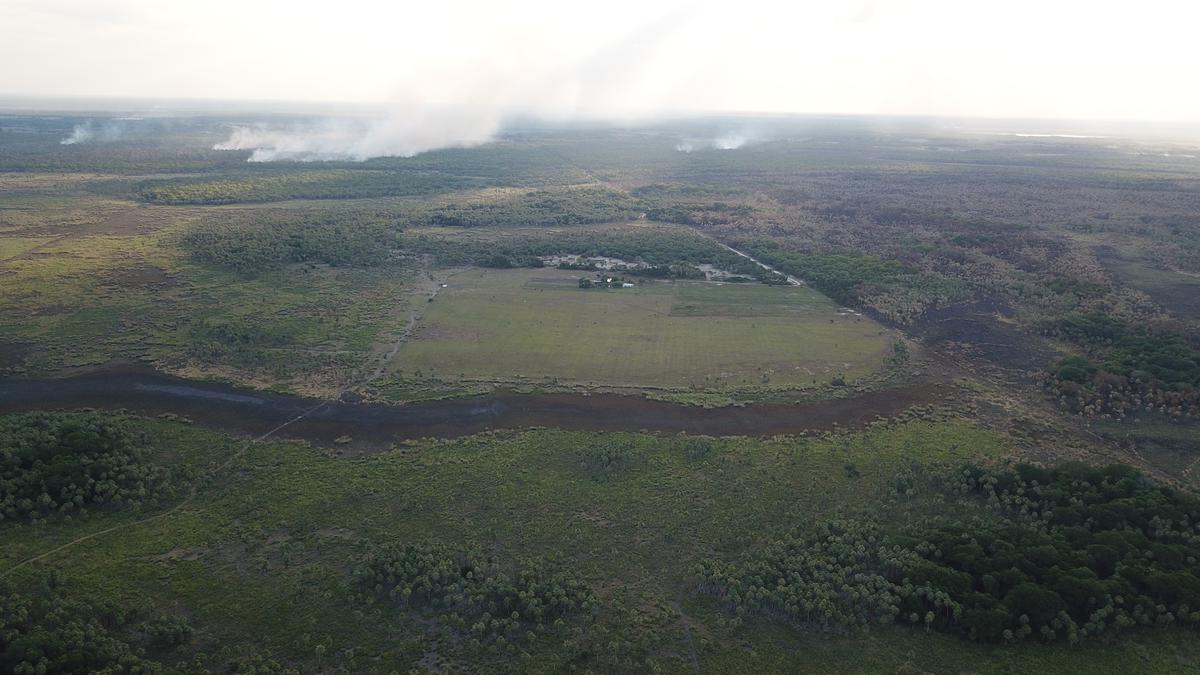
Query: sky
<point>1009,58</point>
<point>449,72</point>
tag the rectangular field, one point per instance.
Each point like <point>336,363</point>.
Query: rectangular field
<point>534,325</point>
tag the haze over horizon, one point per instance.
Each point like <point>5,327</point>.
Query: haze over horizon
<point>450,75</point>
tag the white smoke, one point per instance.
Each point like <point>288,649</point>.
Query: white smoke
<point>82,133</point>
<point>466,104</point>
<point>728,140</point>
<point>358,139</point>
<point>731,141</point>
<point>91,132</point>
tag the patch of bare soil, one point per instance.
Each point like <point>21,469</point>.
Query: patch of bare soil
<point>12,354</point>
<point>1182,298</point>
<point>133,220</point>
<point>982,329</point>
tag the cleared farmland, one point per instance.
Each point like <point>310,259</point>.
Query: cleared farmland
<point>518,325</point>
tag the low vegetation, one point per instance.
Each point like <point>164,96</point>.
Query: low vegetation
<point>540,327</point>
<point>904,544</point>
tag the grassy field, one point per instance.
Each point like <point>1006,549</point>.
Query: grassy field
<point>538,325</point>
<point>261,560</point>
<point>89,280</point>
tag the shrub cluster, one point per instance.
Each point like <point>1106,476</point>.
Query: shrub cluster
<point>63,463</point>
<point>274,185</point>
<point>44,630</point>
<point>1064,553</point>
<point>839,574</point>
<point>473,592</point>
<point>252,247</point>
<point>1125,370</point>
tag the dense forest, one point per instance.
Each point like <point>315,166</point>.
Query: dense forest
<point>656,247</point>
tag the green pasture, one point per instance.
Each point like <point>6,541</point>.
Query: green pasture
<point>537,325</point>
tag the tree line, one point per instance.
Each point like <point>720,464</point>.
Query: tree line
<point>285,184</point>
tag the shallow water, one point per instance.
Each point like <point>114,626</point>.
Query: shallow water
<point>376,426</point>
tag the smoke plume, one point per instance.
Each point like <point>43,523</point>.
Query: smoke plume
<point>357,139</point>
<point>722,140</point>
<point>82,133</point>
<point>106,132</point>
<point>465,105</point>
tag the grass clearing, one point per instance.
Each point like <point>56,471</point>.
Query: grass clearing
<point>537,325</point>
<point>115,285</point>
<point>11,247</point>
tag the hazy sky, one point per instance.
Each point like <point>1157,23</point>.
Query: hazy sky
<point>1135,59</point>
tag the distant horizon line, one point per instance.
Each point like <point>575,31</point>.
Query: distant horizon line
<point>84,104</point>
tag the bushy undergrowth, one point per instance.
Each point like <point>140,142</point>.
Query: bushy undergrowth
<point>1125,369</point>
<point>577,206</point>
<point>55,464</point>
<point>1060,554</point>
<point>253,247</point>
<point>475,593</point>
<point>43,629</point>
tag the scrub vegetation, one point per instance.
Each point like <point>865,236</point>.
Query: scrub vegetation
<point>984,345</point>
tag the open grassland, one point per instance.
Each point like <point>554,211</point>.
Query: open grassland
<point>538,325</point>
<point>262,560</point>
<point>11,247</point>
<point>87,280</point>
